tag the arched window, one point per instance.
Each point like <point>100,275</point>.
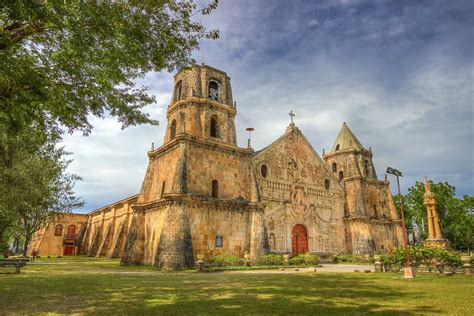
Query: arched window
<point>341,175</point>
<point>327,184</point>
<point>334,167</point>
<point>264,170</point>
<point>58,230</point>
<point>337,147</point>
<point>366,167</point>
<point>71,231</point>
<point>178,90</point>
<point>213,90</point>
<point>173,130</point>
<point>215,188</point>
<point>214,129</point>
<point>162,189</point>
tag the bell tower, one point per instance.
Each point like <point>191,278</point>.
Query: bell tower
<point>199,195</point>
<point>202,106</point>
<point>349,158</point>
<point>372,222</point>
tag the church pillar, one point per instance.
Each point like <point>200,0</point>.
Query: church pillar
<point>135,245</point>
<point>175,249</point>
<point>259,245</point>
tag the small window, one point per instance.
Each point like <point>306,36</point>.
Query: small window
<point>219,241</point>
<point>334,167</point>
<point>162,189</point>
<point>215,188</point>
<point>213,90</point>
<point>376,214</point>
<point>214,130</point>
<point>264,171</point>
<point>382,247</point>
<point>58,231</point>
<point>178,90</point>
<point>341,175</point>
<point>337,147</point>
<point>327,184</point>
<point>173,130</point>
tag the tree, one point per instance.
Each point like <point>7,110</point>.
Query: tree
<point>456,215</point>
<point>50,191</point>
<point>34,189</point>
<point>64,60</point>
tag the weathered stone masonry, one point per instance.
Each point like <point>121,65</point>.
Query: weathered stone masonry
<point>203,196</point>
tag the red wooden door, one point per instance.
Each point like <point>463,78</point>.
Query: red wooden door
<point>299,240</point>
<point>68,250</point>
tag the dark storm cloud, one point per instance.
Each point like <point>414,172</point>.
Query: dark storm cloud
<point>400,73</point>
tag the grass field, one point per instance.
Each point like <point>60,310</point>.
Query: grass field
<point>101,286</point>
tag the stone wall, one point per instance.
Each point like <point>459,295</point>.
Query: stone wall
<point>107,229</point>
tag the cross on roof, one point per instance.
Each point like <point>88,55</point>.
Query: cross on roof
<point>291,114</point>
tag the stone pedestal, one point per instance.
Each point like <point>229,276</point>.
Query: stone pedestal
<point>436,243</point>
<point>467,266</point>
<point>377,263</point>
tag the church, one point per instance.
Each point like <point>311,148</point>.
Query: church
<point>202,195</point>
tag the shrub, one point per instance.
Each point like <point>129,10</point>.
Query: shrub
<point>271,259</point>
<point>421,255</point>
<point>226,260</point>
<point>350,258</point>
<point>306,259</point>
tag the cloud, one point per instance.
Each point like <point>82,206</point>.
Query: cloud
<point>400,73</point>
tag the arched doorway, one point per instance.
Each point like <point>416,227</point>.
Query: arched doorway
<point>299,240</point>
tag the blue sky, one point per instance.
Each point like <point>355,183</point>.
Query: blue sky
<point>400,73</point>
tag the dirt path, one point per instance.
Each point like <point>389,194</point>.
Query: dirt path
<point>331,268</point>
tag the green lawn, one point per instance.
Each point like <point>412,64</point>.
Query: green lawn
<point>101,286</point>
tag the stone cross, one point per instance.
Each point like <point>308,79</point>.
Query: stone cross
<point>291,114</point>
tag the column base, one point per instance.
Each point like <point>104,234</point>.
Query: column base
<point>436,243</point>
<point>409,273</point>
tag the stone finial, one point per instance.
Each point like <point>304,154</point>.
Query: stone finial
<point>427,184</point>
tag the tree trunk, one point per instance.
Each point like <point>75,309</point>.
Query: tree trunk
<point>27,241</point>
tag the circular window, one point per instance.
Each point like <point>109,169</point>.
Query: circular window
<point>327,184</point>
<point>264,170</point>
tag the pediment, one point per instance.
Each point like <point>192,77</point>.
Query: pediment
<point>291,158</point>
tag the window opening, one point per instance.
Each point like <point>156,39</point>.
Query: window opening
<point>58,231</point>
<point>215,188</point>
<point>214,129</point>
<point>264,170</point>
<point>327,184</point>
<point>213,91</point>
<point>219,241</point>
<point>173,130</point>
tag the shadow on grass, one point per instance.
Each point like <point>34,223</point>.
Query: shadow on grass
<point>193,293</point>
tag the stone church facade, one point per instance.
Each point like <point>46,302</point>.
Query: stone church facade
<point>202,195</point>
